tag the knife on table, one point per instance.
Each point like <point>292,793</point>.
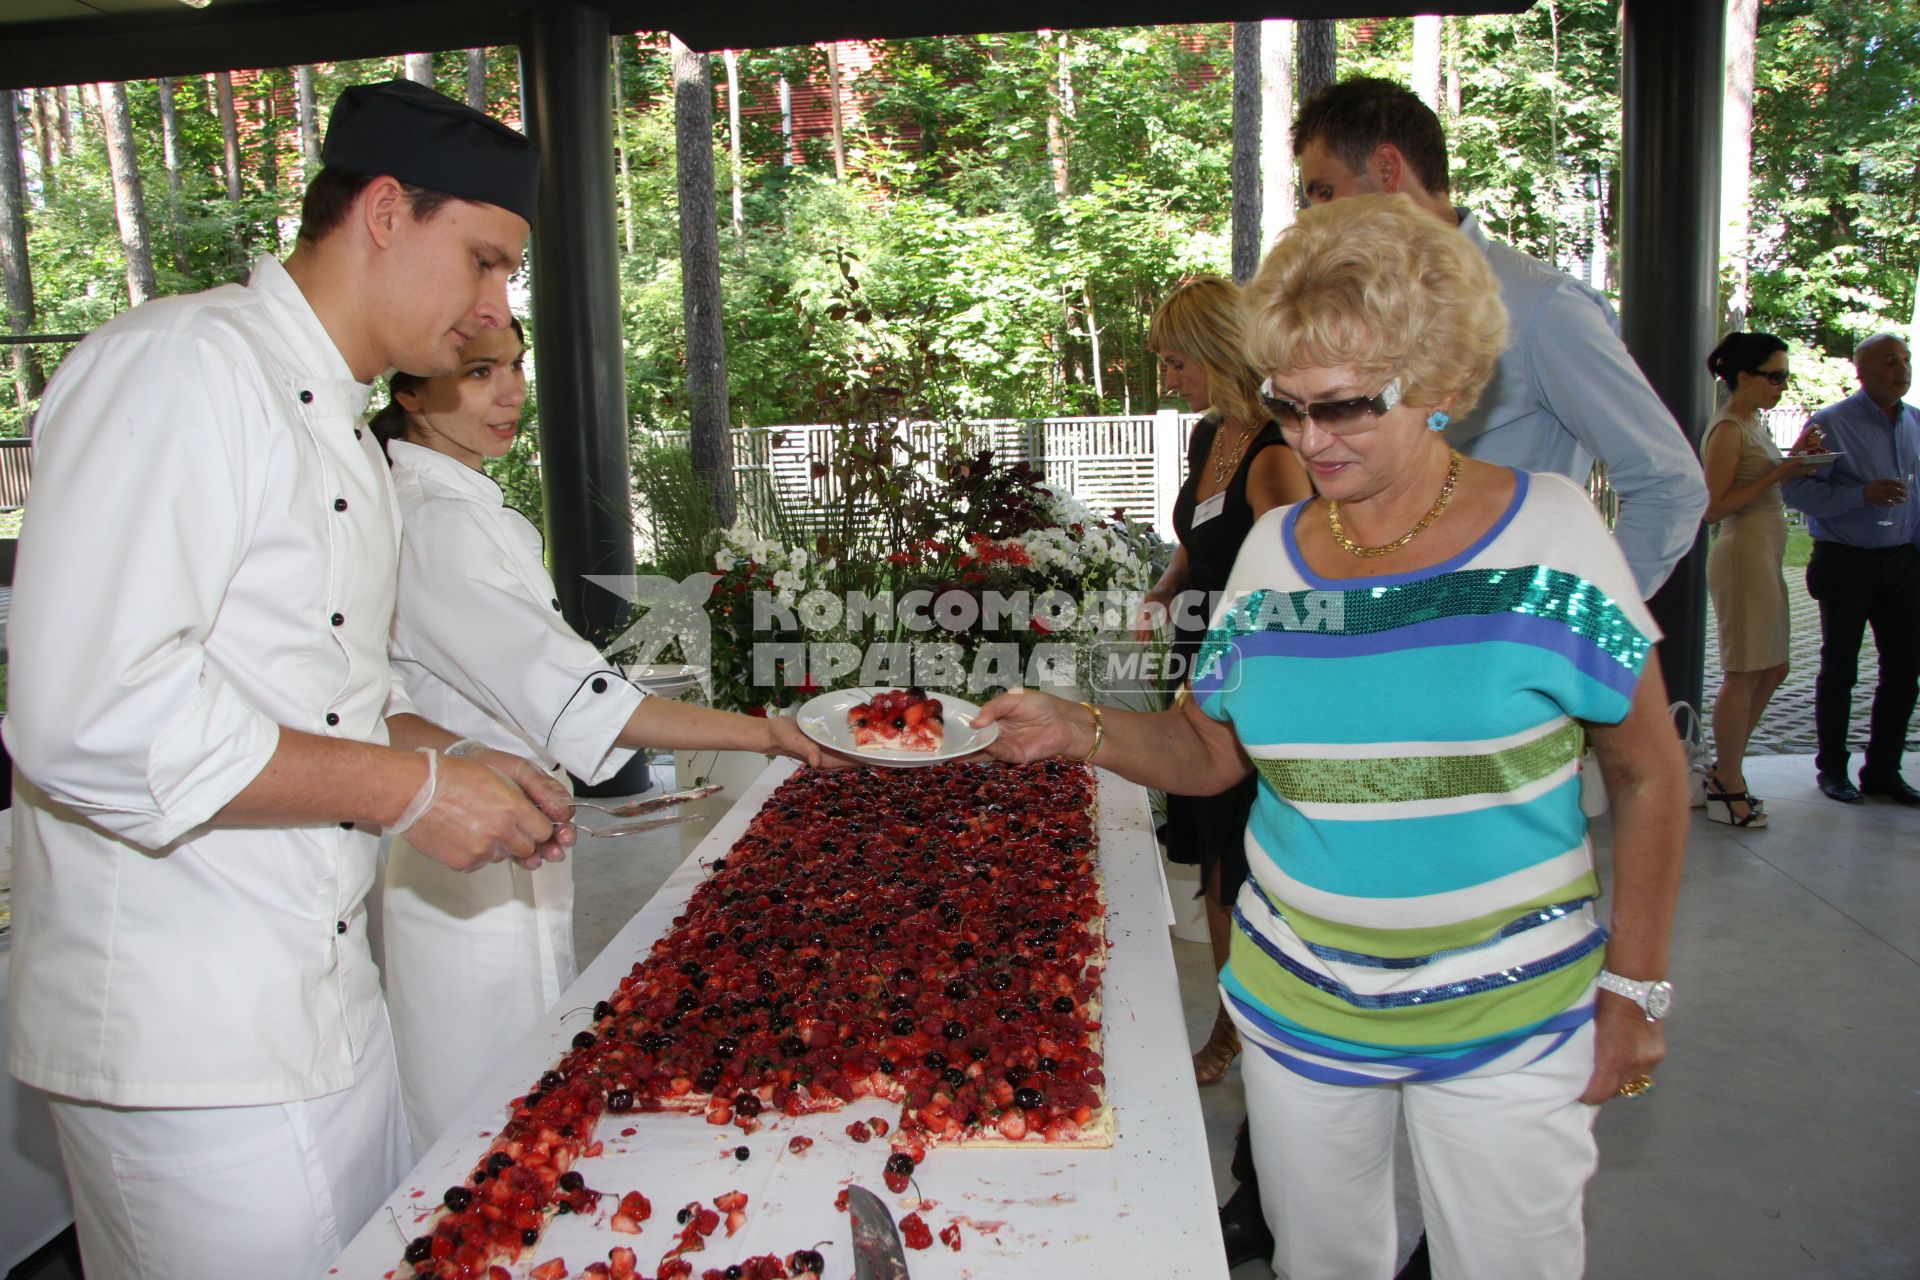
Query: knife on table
<point>877,1254</point>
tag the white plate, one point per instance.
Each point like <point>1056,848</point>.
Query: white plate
<point>1818,459</point>
<point>668,680</point>
<point>824,719</point>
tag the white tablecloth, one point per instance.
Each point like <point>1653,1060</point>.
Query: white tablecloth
<point>34,1207</point>
<point>1144,1207</point>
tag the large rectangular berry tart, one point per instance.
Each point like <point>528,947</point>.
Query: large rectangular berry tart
<point>933,937</point>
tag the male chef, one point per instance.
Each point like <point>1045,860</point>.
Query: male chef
<point>207,735</point>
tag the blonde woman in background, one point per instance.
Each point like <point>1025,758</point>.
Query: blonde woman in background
<point>1238,469</point>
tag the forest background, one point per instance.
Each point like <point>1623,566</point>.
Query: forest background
<point>1004,212</point>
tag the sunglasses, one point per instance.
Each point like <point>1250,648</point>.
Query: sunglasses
<point>1336,417</point>
<point>1778,377</point>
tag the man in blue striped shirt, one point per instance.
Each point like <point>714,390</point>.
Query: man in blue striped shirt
<point>1864,513</point>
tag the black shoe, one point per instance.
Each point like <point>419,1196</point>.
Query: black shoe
<point>1888,786</point>
<point>1243,1229</point>
<point>1838,788</point>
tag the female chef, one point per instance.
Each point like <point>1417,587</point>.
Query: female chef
<point>473,961</point>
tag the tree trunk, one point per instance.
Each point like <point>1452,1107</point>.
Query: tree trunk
<point>129,204</point>
<point>309,119</point>
<point>1093,346</point>
<point>420,68</point>
<point>65,122</point>
<point>1451,53</point>
<point>269,131</point>
<point>43,139</point>
<point>1319,42</point>
<point>620,137</point>
<point>1426,60</point>
<point>1278,199</point>
<point>230,167</point>
<point>733,139</point>
<point>1059,109</point>
<point>833,98</point>
<point>710,435</point>
<point>477,79</point>
<point>170,155</point>
<point>1736,155</point>
<point>15,273</point>
<point>1246,150</point>
<point>786,123</point>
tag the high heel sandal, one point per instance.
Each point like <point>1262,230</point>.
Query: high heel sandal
<point>1717,794</point>
<point>1217,1054</point>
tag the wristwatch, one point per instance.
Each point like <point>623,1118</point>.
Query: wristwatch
<point>1656,998</point>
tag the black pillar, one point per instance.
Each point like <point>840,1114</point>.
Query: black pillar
<point>580,370</point>
<point>1671,72</point>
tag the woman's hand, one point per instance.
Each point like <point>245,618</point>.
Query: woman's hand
<point>1792,467</point>
<point>1035,725</point>
<point>1152,615</point>
<point>785,739</point>
<point>1626,1047</point>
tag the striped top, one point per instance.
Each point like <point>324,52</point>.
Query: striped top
<point>1422,886</point>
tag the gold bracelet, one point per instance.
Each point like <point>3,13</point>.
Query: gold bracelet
<point>1099,732</point>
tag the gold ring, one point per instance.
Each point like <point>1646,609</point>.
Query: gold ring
<point>1636,1086</point>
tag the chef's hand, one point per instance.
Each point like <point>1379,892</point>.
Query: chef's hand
<point>1035,725</point>
<point>545,792</point>
<point>478,815</point>
<point>1626,1049</point>
<point>785,739</point>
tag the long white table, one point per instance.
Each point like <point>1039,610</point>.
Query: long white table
<point>1143,1207</point>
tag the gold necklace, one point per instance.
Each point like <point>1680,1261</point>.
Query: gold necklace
<point>1353,548</point>
<point>1225,464</point>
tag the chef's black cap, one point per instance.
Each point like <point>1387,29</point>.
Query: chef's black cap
<point>406,131</point>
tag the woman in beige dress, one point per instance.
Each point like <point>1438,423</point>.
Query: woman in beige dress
<point>1744,472</point>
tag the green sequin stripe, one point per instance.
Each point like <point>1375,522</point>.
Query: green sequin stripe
<point>1448,1022</point>
<point>1397,943</point>
<point>1413,779</point>
<point>1525,589</point>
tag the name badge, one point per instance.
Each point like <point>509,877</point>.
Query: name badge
<point>1205,511</point>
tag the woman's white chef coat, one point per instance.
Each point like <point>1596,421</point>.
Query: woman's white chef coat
<point>209,555</point>
<point>473,960</point>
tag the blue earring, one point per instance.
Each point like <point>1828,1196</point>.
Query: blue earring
<point>1438,420</point>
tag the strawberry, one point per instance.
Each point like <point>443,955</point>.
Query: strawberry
<point>730,1201</point>
<point>798,1145</point>
<point>735,1221</point>
<point>914,1233</point>
<point>620,1261</point>
<point>950,1236</point>
<point>552,1269</point>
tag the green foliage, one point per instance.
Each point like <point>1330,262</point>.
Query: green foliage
<point>1836,170</point>
<point>948,277</point>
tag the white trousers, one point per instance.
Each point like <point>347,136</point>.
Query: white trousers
<point>1501,1159</point>
<point>472,961</point>
<point>206,1193</point>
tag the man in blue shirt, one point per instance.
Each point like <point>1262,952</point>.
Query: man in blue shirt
<point>1566,391</point>
<point>1864,513</point>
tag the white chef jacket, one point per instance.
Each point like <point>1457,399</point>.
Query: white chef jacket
<point>477,634</point>
<point>473,961</point>
<point>210,554</point>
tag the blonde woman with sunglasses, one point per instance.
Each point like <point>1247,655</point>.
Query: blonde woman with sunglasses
<point>1744,473</point>
<point>1409,664</point>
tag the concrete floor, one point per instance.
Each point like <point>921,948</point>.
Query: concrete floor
<point>1783,1141</point>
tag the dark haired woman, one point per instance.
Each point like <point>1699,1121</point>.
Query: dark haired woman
<point>1744,472</point>
<point>473,961</point>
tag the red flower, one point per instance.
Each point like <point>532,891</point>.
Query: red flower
<point>757,710</point>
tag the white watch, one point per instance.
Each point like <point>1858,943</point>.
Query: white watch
<point>1656,998</point>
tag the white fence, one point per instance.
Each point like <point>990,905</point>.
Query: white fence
<point>1130,462</point>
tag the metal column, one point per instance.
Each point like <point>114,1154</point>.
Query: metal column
<point>1671,72</point>
<point>566,95</point>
